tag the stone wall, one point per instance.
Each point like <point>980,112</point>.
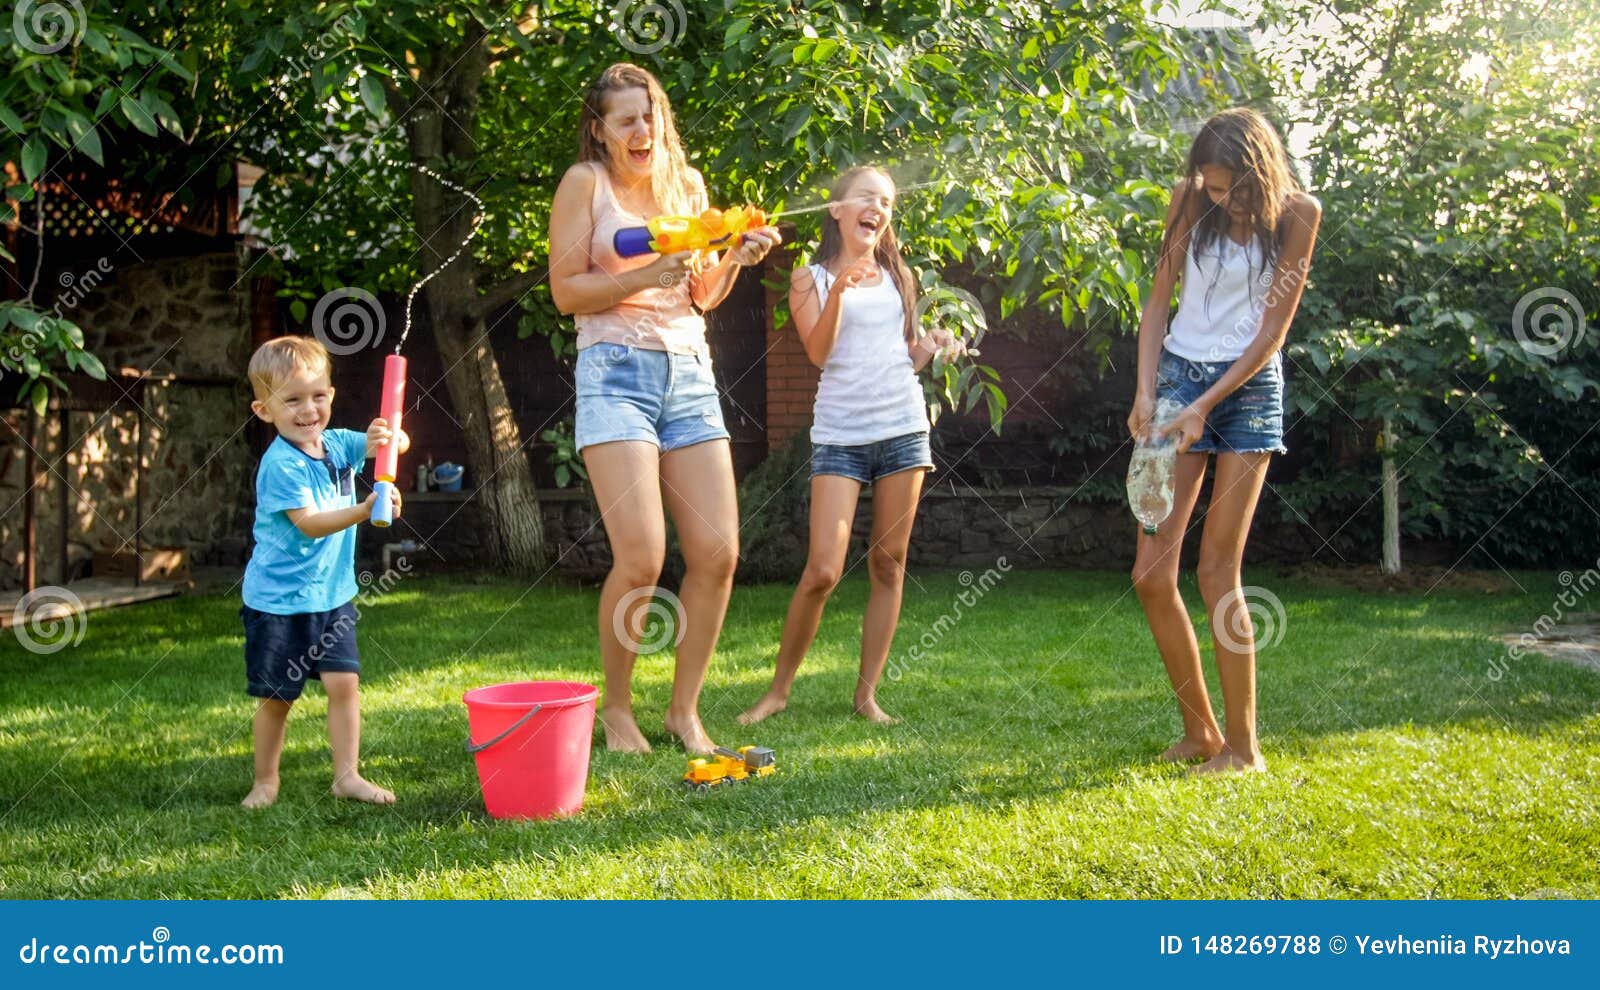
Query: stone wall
<point>188,315</point>
<point>450,532</point>
<point>1031,527</point>
<point>187,320</point>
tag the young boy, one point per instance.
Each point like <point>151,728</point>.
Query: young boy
<point>298,618</point>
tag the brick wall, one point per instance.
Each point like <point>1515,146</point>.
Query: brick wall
<point>791,377</point>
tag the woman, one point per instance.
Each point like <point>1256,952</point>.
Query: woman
<point>649,424</point>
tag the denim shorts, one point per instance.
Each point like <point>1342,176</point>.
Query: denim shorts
<point>636,393</point>
<point>1248,421</point>
<point>282,651</point>
<point>868,462</point>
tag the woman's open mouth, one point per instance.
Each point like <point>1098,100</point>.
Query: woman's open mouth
<point>640,156</point>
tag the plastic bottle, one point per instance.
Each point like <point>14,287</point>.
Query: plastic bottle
<point>1150,470</point>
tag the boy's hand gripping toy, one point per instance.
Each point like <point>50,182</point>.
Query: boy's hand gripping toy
<point>710,231</point>
<point>385,465</point>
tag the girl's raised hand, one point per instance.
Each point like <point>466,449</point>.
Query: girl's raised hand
<point>858,272</point>
<point>946,346</point>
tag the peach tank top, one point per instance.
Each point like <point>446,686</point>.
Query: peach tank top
<point>658,319</point>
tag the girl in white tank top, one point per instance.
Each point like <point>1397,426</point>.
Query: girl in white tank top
<point>869,389</point>
<point>1238,241</point>
<point>854,311</point>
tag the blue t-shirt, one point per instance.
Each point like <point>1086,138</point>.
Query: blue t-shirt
<point>289,573</point>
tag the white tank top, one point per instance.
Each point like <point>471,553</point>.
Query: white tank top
<point>1224,294</point>
<point>869,390</point>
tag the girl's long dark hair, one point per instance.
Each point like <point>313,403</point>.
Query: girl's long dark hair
<point>887,252</point>
<point>1244,142</point>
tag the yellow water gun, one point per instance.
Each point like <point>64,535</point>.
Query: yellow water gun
<point>710,231</point>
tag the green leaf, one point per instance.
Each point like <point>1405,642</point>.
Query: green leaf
<point>91,366</point>
<point>297,309</point>
<point>137,115</point>
<point>34,156</point>
<point>85,137</point>
<point>796,122</point>
<point>41,398</point>
<point>162,111</point>
<point>27,319</point>
<point>372,94</point>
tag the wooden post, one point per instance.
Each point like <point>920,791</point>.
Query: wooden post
<point>66,489</point>
<point>138,482</point>
<point>1391,501</point>
<point>30,549</point>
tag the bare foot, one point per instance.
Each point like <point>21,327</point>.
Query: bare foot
<point>691,733</point>
<point>1229,762</point>
<point>869,710</point>
<point>622,732</point>
<point>1187,749</point>
<point>769,705</point>
<point>261,795</point>
<point>357,788</point>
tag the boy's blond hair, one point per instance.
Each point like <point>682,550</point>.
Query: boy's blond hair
<point>280,357</point>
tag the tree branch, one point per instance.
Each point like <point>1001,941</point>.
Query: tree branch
<point>509,290</point>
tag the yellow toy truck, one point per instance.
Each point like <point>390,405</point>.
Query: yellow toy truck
<point>726,766</point>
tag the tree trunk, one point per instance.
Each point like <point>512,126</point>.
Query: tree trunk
<point>501,479</point>
<point>1391,502</point>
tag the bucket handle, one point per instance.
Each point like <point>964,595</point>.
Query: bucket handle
<point>473,747</point>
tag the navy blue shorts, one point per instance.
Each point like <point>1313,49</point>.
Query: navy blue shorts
<point>867,462</point>
<point>1248,421</point>
<point>281,651</point>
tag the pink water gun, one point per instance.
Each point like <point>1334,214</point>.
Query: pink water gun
<point>386,464</point>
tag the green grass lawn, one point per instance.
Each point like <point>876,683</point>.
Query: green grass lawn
<point>1024,767</point>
